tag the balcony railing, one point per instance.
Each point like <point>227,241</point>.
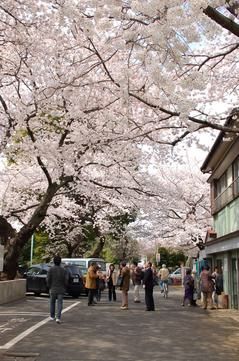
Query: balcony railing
<point>231,192</point>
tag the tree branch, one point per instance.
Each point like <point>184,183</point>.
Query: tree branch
<point>13,213</point>
<point>119,189</point>
<point>12,16</point>
<point>39,160</point>
<point>222,20</point>
<point>208,58</point>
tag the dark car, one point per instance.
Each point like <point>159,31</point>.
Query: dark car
<point>75,284</point>
<point>36,279</point>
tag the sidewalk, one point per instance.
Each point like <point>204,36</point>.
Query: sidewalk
<point>106,333</point>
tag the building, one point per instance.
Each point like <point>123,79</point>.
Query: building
<point>222,243</point>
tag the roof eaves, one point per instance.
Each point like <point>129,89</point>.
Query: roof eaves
<point>217,141</point>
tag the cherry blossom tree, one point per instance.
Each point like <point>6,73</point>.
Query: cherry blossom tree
<point>86,233</point>
<point>181,216</point>
<point>72,139</point>
<point>86,87</point>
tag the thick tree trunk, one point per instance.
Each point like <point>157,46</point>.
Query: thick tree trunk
<point>99,247</point>
<point>73,248</point>
<point>15,244</point>
<point>6,231</point>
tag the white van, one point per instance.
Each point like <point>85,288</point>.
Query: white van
<point>84,263</point>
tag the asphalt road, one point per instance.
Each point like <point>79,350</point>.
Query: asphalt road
<point>106,333</point>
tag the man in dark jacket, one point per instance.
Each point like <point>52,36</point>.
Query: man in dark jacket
<point>148,284</point>
<point>57,280</point>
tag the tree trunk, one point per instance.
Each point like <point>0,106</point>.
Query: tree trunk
<point>15,244</point>
<point>75,246</point>
<point>6,231</point>
<point>125,248</point>
<point>222,20</point>
<point>99,247</point>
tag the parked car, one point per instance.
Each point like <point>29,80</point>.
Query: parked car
<point>21,270</point>
<point>75,284</point>
<point>175,278</point>
<point>84,264</point>
<point>36,279</point>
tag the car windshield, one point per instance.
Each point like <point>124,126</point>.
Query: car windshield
<point>38,269</point>
<point>84,271</point>
<point>101,264</point>
<point>79,263</point>
<point>73,269</point>
<point>34,270</point>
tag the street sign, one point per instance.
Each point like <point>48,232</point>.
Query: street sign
<point>1,257</point>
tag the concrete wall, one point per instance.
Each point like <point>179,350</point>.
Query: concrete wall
<point>12,290</point>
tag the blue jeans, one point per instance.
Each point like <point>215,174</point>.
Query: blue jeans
<point>161,284</point>
<point>53,298</point>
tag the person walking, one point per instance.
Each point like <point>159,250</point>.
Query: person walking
<point>163,275</point>
<point>196,290</point>
<point>148,285</point>
<point>218,285</point>
<point>188,283</point>
<point>125,273</point>
<point>57,280</point>
<point>100,283</point>
<point>136,276</point>
<point>90,283</point>
<point>206,286</point>
<point>111,279</point>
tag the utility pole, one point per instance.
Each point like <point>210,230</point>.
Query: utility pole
<point>32,247</point>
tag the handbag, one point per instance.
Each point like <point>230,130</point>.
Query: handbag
<point>195,295</point>
<point>120,281</point>
<point>101,285</point>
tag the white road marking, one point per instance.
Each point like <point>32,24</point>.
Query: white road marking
<point>13,313</point>
<point>45,299</point>
<point>31,329</point>
<point>11,324</point>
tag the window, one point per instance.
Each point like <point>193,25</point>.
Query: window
<point>235,166</point>
<point>226,188</point>
<point>221,184</point>
<point>34,271</point>
<point>101,264</point>
<point>219,264</point>
<point>43,271</point>
<point>223,190</point>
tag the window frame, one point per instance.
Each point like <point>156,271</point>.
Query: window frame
<point>222,195</point>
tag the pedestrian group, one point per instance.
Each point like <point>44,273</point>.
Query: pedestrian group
<point>209,285</point>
